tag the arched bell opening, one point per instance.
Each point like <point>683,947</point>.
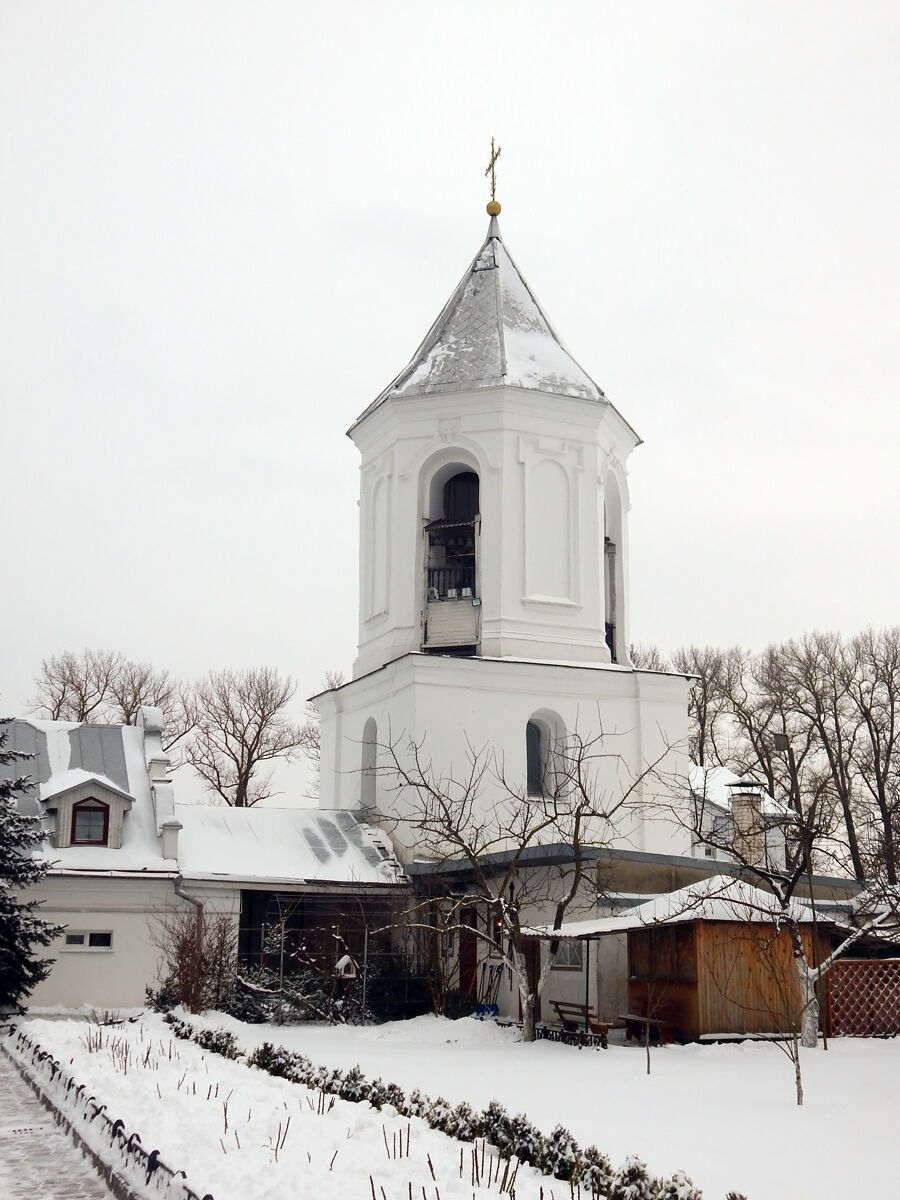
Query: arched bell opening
<point>452,534</point>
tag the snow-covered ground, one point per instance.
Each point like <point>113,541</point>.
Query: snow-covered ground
<point>724,1114</point>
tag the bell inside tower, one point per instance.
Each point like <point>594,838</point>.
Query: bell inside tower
<point>452,603</point>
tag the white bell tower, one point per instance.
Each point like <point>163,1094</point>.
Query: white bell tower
<point>493,552</point>
<point>493,497</point>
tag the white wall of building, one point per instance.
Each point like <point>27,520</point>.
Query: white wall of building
<point>449,704</point>
<point>113,978</point>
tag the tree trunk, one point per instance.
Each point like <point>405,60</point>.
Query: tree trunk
<point>806,979</point>
<point>526,996</point>
<point>798,1078</point>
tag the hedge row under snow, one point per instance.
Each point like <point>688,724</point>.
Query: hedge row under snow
<point>558,1155</point>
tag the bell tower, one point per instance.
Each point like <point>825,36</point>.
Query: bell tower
<point>493,496</point>
<point>493,580</point>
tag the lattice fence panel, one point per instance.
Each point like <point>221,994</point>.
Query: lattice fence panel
<point>864,997</point>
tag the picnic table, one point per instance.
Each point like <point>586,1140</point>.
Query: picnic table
<point>638,1026</point>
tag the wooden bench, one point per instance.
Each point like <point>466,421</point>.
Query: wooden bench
<point>578,1016</point>
<point>637,1026</point>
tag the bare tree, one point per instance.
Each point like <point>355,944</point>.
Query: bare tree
<point>707,701</point>
<point>241,726</point>
<point>816,671</point>
<point>645,656</point>
<point>837,701</point>
<point>198,955</point>
<point>106,688</point>
<point>76,687</point>
<point>874,688</point>
<point>310,742</point>
<point>505,852</point>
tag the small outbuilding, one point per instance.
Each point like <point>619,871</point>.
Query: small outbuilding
<point>712,959</point>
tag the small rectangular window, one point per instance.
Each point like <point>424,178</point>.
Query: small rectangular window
<point>88,939</point>
<point>640,954</point>
<point>664,954</point>
<point>686,953</point>
<point>569,957</point>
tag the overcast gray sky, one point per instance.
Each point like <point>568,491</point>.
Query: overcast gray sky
<point>224,227</point>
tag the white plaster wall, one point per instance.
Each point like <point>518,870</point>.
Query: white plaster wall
<point>447,703</point>
<point>109,978</point>
<point>542,462</point>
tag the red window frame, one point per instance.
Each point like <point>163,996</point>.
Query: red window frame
<point>91,805</point>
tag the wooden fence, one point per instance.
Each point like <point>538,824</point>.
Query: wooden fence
<point>864,998</point>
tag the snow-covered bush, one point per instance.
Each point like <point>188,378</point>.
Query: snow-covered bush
<point>395,1096</point>
<point>417,1104</point>
<point>632,1182</point>
<point>275,1060</point>
<point>560,1154</point>
<point>525,1140</point>
<point>463,1123</point>
<point>378,1093</point>
<point>439,1114</point>
<point>497,1127</point>
<point>354,1086</point>
<point>595,1172</point>
<point>678,1187</point>
<point>220,1041</point>
<point>162,999</point>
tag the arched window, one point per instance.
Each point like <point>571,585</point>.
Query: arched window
<point>535,758</point>
<point>90,823</point>
<point>545,753</point>
<point>368,764</point>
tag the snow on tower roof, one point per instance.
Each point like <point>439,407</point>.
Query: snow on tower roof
<point>492,331</point>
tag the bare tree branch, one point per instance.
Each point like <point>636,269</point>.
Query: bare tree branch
<point>241,726</point>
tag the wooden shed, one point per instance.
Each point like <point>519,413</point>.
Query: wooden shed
<point>712,958</point>
<point>706,976</point>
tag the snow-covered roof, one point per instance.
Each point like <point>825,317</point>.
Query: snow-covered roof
<point>68,754</point>
<point>287,845</point>
<point>492,331</point>
<point>65,781</point>
<point>719,898</point>
<point>262,845</point>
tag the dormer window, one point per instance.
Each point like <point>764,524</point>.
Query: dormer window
<point>90,823</point>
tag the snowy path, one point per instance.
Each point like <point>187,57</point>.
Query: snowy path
<point>37,1160</point>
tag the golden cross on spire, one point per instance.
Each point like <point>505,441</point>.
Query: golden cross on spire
<point>493,208</point>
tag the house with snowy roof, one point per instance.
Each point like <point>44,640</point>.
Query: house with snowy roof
<point>121,852</point>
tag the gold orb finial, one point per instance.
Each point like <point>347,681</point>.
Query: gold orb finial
<point>493,208</point>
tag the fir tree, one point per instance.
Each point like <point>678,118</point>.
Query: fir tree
<point>21,929</point>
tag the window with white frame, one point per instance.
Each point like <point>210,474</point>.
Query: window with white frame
<point>88,939</point>
<point>569,957</point>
